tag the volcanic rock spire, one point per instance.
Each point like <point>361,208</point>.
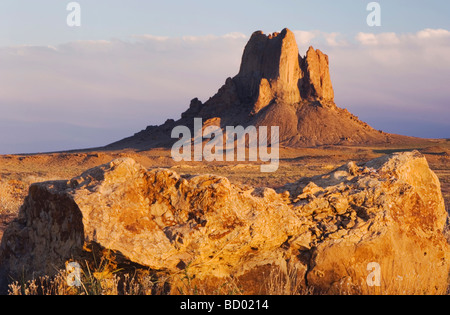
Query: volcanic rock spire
<point>272,69</point>
<point>318,83</point>
<point>275,86</point>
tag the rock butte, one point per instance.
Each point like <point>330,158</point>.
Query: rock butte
<point>275,86</point>
<point>330,227</point>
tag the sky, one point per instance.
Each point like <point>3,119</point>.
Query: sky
<point>136,63</point>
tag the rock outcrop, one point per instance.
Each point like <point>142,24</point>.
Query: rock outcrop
<point>318,82</point>
<point>389,211</point>
<point>272,70</point>
<point>275,86</point>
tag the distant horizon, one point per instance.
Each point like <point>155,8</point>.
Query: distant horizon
<point>70,88</point>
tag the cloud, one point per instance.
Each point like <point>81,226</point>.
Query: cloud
<point>426,36</point>
<point>315,37</point>
<point>433,33</point>
<point>377,39</point>
<point>151,37</point>
<point>305,38</point>
<point>335,39</point>
<point>120,86</point>
<point>235,35</point>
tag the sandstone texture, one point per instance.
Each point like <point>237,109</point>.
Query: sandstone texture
<point>389,211</point>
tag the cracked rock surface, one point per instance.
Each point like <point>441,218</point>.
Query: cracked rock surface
<point>330,227</point>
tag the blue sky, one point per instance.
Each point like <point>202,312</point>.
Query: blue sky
<point>42,22</point>
<point>136,63</point>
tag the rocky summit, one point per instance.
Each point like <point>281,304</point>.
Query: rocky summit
<point>272,70</point>
<point>328,228</point>
<point>275,86</point>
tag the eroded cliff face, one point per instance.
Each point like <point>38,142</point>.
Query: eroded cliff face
<point>270,67</point>
<point>389,211</point>
<point>275,86</point>
<point>318,83</point>
<point>272,70</point>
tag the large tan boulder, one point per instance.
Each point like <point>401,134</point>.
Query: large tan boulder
<point>390,212</point>
<point>154,218</point>
<point>330,228</point>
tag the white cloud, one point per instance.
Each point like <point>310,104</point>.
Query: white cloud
<point>377,39</point>
<point>305,38</point>
<point>235,35</point>
<point>315,37</point>
<point>419,38</point>
<point>206,38</point>
<point>433,33</point>
<point>335,39</point>
<point>151,37</point>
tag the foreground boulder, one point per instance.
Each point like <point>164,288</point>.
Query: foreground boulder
<point>329,228</point>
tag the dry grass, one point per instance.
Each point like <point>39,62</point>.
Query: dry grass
<point>91,285</point>
<point>287,282</point>
<point>105,280</point>
<point>97,278</point>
